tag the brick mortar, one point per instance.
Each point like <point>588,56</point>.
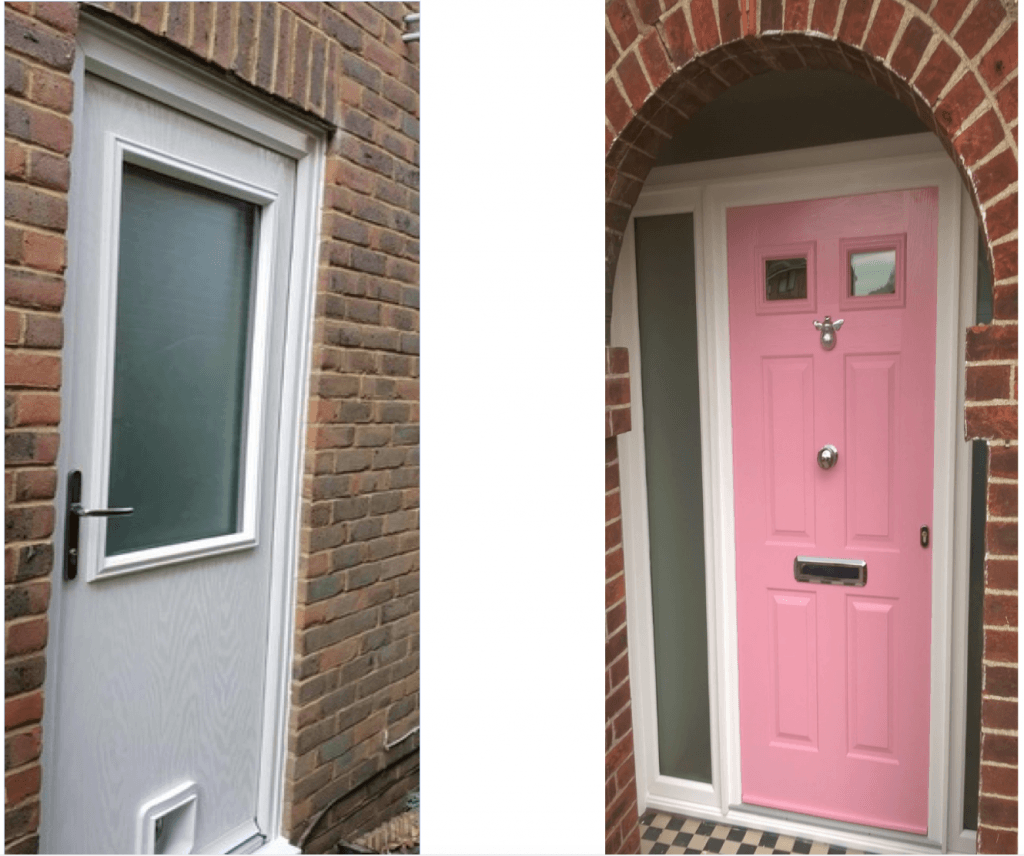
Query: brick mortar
<point>27,99</point>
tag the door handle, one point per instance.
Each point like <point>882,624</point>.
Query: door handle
<point>99,512</point>
<point>827,457</point>
<point>73,513</point>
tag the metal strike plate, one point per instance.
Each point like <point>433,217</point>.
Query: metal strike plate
<point>837,572</point>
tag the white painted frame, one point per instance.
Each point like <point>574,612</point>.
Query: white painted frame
<point>117,151</point>
<point>111,53</point>
<point>707,189</point>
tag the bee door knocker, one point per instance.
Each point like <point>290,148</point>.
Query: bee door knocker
<point>828,329</point>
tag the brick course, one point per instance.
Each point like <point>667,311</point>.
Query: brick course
<point>954,64</point>
<point>622,831</point>
<point>355,676</point>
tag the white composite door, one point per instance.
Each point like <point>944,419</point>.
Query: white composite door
<point>173,377</point>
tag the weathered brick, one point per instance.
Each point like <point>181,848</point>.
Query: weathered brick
<point>998,811</point>
<point>991,342</point>
<point>43,331</point>
<point>679,43</point>
<point>996,840</point>
<point>1001,574</point>
<point>34,207</point>
<point>244,60</point>
<point>23,675</point>
<point>991,422</point>
<point>961,101</point>
<point>34,485</point>
<point>987,382</point>
<point>33,370</point>
<point>995,175</point>
<point>300,62</point>
<point>29,38</point>
<point>1001,680</point>
<point>936,73</point>
<point>48,170</point>
<point>620,19</point>
<point>979,26</point>
<point>202,28</point>
<point>948,13</point>
<point>21,784</point>
<point>51,89</point>
<point>1000,220</point>
<point>1001,58</point>
<point>33,560</point>
<point>912,45</point>
<point>978,139</point>
<point>1004,261</point>
<point>1006,98</point>
<point>1001,538</point>
<point>23,710</point>
<point>268,13</point>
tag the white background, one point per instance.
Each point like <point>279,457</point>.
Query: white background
<point>512,521</point>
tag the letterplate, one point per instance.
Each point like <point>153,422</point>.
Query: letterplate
<point>842,572</point>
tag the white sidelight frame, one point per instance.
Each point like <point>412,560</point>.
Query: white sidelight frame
<point>706,190</point>
<point>109,52</point>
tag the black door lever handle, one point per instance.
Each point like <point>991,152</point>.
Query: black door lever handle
<point>77,508</point>
<point>73,513</point>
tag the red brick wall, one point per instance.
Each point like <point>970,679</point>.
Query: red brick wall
<point>622,833</point>
<point>954,63</point>
<point>997,802</point>
<point>356,668</point>
<point>38,136</point>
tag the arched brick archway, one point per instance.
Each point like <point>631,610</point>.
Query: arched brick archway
<point>954,64</point>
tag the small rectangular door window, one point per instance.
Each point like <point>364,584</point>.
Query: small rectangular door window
<point>785,279</point>
<point>184,285</point>
<point>873,273</point>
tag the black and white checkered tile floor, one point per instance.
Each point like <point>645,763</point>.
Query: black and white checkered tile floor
<point>672,833</point>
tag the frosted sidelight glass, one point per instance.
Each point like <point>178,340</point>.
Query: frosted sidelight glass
<point>666,297</point>
<point>184,278</point>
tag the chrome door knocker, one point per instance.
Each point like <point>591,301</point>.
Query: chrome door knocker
<point>828,329</point>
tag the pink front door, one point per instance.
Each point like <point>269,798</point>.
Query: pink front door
<point>834,677</point>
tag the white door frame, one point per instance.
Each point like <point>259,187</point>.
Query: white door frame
<point>706,190</point>
<point>111,53</point>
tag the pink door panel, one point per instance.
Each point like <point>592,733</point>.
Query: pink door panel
<point>834,679</point>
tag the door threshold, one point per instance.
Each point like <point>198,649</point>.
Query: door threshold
<point>848,835</point>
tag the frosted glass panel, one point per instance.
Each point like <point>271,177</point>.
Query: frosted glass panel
<point>666,298</point>
<point>183,290</point>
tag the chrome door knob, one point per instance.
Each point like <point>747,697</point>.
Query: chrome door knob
<point>827,457</point>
